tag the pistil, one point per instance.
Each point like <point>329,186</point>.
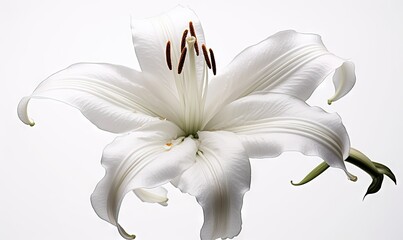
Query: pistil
<point>192,91</point>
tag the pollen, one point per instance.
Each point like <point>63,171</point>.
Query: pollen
<point>168,55</point>
<point>192,29</point>
<point>192,42</point>
<point>193,34</point>
<point>168,146</point>
<point>182,60</point>
<point>206,57</point>
<point>183,41</point>
<point>213,65</point>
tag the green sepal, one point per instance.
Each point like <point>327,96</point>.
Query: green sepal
<point>374,169</point>
<point>313,174</point>
<point>386,171</point>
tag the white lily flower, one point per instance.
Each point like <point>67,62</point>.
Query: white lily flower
<point>180,126</point>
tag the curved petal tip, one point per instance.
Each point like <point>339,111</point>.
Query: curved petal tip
<point>344,80</point>
<point>351,177</point>
<point>22,111</point>
<point>124,234</point>
<point>154,195</point>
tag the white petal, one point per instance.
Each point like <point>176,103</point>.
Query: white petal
<point>287,62</point>
<point>218,180</point>
<point>114,98</point>
<point>270,124</point>
<point>139,160</point>
<point>153,195</point>
<point>151,35</point>
<point>343,80</point>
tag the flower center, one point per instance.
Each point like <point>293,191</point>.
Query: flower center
<point>191,78</point>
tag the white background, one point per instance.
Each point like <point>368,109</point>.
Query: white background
<point>48,172</point>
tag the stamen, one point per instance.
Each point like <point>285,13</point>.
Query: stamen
<point>168,55</point>
<point>182,60</point>
<point>173,143</point>
<point>213,61</point>
<point>183,41</point>
<point>192,29</point>
<point>206,57</point>
<point>196,46</point>
<point>193,34</point>
<point>168,146</point>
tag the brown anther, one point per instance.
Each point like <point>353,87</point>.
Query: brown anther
<point>168,55</point>
<point>213,61</point>
<point>206,57</point>
<point>193,34</point>
<point>196,46</point>
<point>183,41</point>
<point>192,29</point>
<point>182,60</point>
